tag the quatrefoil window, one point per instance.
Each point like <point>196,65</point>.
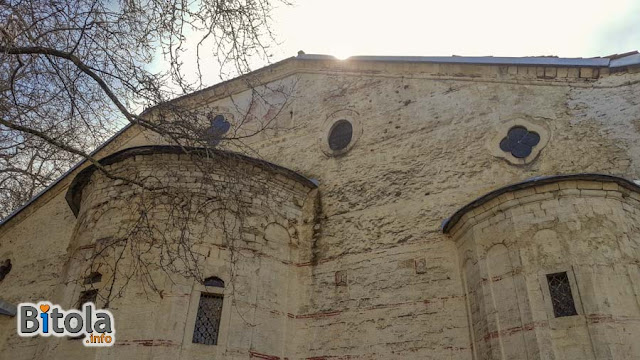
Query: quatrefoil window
<point>519,142</point>
<point>219,126</point>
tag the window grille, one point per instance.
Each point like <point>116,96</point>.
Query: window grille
<point>208,319</point>
<point>561,297</point>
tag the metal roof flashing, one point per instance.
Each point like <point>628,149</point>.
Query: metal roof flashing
<point>629,59</point>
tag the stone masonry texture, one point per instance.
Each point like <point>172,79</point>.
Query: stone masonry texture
<point>359,267</point>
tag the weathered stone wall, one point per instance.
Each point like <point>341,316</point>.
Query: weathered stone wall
<point>507,246</point>
<point>381,281</point>
<point>268,241</point>
<point>38,252</point>
<point>270,237</point>
<point>422,154</point>
<point>36,240</point>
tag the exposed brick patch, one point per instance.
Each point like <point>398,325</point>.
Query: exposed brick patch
<point>257,355</point>
<point>319,315</point>
<point>147,342</point>
<point>515,330</point>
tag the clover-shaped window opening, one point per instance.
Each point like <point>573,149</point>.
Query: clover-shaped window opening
<point>213,281</point>
<point>5,268</point>
<point>215,132</point>
<point>340,135</point>
<point>519,142</point>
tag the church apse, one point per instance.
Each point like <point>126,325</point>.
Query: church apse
<point>249,223</point>
<point>551,269</point>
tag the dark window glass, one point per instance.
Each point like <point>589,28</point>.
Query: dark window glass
<point>208,319</point>
<point>340,135</point>
<point>5,267</point>
<point>519,141</point>
<point>94,277</point>
<point>561,296</point>
<point>219,127</point>
<point>214,281</point>
<point>87,296</point>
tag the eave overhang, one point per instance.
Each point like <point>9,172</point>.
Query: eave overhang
<point>450,222</point>
<point>74,193</point>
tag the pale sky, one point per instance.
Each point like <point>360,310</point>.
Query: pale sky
<point>566,28</point>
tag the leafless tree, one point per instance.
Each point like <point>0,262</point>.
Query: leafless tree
<point>72,72</point>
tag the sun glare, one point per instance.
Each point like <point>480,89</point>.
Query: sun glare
<point>341,54</point>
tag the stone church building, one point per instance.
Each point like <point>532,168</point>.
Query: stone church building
<point>412,208</point>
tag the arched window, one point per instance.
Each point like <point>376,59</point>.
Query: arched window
<point>214,281</point>
<point>561,297</point>
<point>207,326</point>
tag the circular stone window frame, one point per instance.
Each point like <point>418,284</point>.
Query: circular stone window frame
<point>353,118</point>
<point>503,129</point>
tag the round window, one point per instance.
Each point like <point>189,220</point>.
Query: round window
<point>340,135</point>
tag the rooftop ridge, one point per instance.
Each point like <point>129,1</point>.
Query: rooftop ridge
<point>614,61</point>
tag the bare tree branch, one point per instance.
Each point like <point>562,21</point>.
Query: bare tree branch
<point>73,72</point>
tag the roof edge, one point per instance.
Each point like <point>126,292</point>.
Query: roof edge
<point>628,59</point>
<point>450,222</point>
<point>221,84</point>
<point>74,192</point>
<point>631,58</point>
